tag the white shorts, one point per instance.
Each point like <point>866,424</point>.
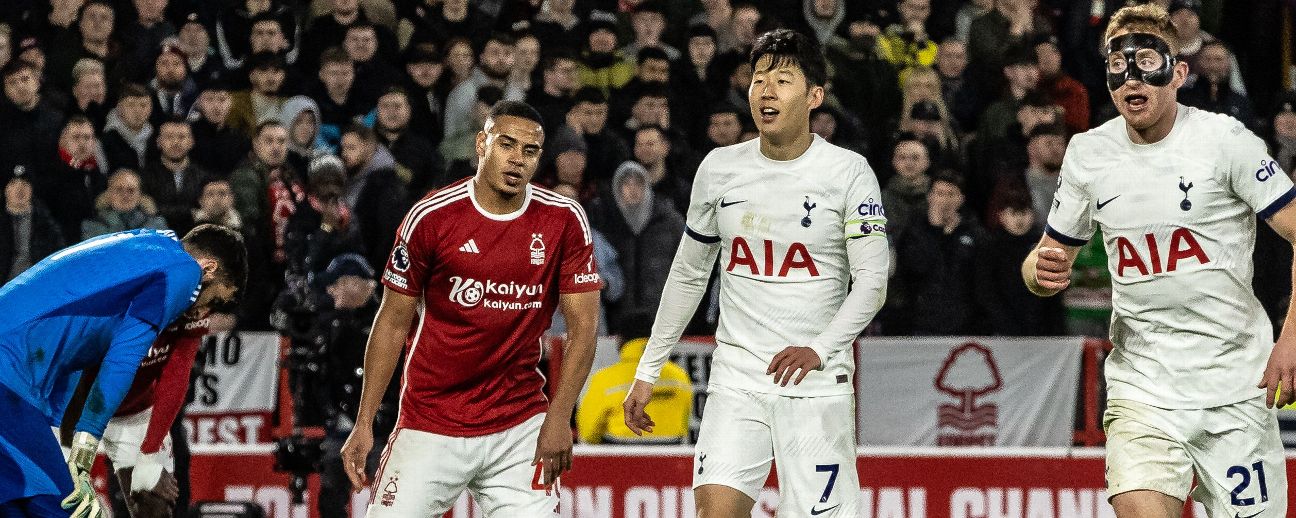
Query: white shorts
<point>1233,451</point>
<point>422,474</point>
<point>811,440</point>
<point>124,436</point>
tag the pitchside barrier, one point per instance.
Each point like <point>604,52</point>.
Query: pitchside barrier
<point>948,428</point>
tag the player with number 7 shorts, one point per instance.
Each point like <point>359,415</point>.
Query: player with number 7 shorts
<point>801,235</point>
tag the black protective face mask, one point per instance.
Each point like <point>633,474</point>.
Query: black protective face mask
<point>1141,57</point>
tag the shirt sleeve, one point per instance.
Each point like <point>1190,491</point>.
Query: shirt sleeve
<point>578,273</point>
<point>130,342</point>
<point>170,390</point>
<point>1255,176</point>
<point>700,223</point>
<point>1070,221</point>
<point>687,281</point>
<point>869,260</point>
<point>411,256</point>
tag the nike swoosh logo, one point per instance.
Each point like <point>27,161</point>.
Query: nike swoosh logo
<point>724,204</point>
<point>1239,515</point>
<point>817,512</point>
<point>1102,204</point>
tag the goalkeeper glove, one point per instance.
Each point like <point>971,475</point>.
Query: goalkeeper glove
<point>83,502</point>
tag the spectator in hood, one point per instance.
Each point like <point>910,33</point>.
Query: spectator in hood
<point>644,229</point>
<point>302,117</point>
<point>824,17</point>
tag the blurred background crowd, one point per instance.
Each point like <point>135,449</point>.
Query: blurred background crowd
<point>311,126</point>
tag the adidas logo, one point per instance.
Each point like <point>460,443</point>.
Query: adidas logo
<point>470,247</point>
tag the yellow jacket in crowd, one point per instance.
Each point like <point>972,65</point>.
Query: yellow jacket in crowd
<point>601,420</point>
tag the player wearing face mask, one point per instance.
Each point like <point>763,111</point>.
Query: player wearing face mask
<point>1194,370</point>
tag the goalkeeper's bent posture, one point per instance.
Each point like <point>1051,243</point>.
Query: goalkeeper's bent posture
<point>99,304</point>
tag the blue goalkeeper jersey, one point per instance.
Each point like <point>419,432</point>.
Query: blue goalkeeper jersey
<point>101,302</point>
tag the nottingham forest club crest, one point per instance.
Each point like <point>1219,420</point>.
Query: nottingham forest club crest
<point>537,249</point>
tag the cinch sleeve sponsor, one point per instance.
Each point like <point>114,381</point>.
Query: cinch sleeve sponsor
<point>1255,176</point>
<point>864,216</point>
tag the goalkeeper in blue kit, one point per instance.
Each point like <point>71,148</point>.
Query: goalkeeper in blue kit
<point>98,304</point>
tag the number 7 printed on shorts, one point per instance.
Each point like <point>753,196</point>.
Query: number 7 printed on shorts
<point>832,470</point>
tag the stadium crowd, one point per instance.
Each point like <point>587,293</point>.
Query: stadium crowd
<point>311,127</point>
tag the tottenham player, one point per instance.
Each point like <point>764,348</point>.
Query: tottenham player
<point>481,265</point>
<point>1176,191</point>
<point>802,238</point>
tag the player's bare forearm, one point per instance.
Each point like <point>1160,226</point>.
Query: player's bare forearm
<point>581,312</point>
<point>390,329</point>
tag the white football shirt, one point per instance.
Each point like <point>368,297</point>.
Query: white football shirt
<point>1178,218</point>
<point>791,236</point>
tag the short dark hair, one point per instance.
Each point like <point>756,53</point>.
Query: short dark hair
<point>267,124</point>
<point>266,16</point>
<point>651,127</point>
<point>490,94</point>
<point>18,65</point>
<point>395,89</point>
<point>78,119</point>
<point>361,24</point>
<point>951,177</point>
<point>654,89</point>
<point>501,38</point>
<point>589,94</point>
<point>701,30</point>
<point>634,325</point>
<point>516,109</point>
<point>132,90</point>
<point>174,119</point>
<point>551,58</point>
<point>265,61</point>
<point>225,246</point>
<point>365,133</point>
<point>789,47</point>
<point>335,55</point>
<point>648,53</point>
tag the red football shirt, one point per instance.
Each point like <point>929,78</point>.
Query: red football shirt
<point>489,285</point>
<point>162,380</point>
